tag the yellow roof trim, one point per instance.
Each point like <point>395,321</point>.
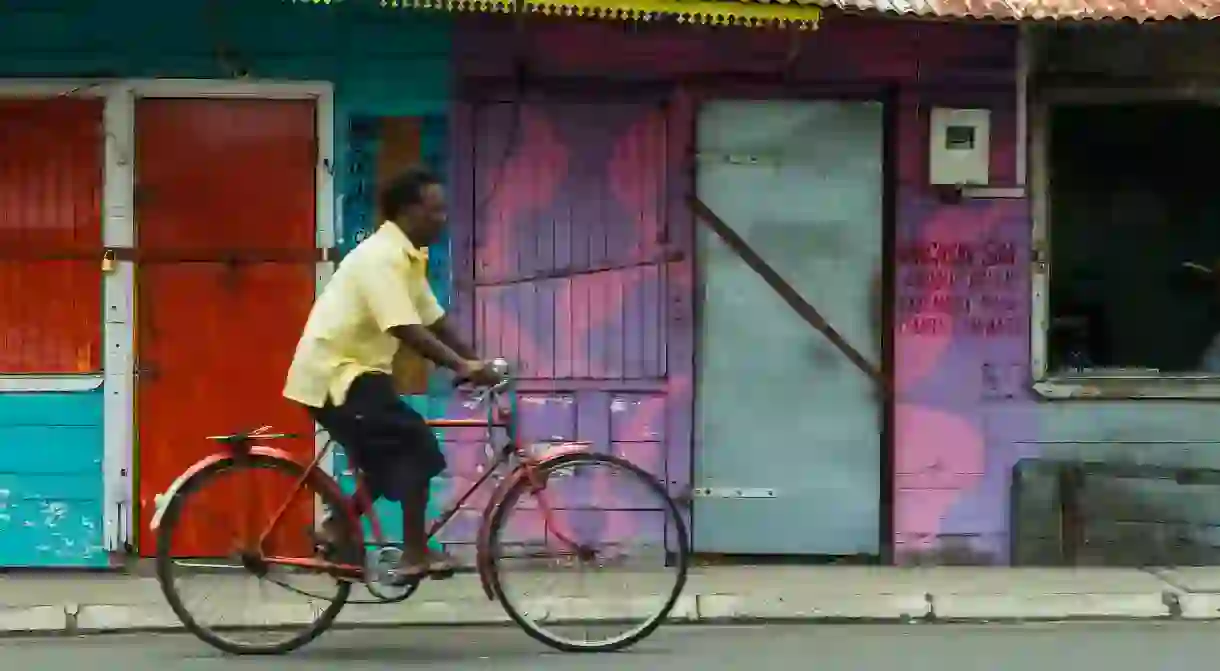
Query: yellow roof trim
<point>751,13</point>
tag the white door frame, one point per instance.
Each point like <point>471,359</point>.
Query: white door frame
<point>118,230</point>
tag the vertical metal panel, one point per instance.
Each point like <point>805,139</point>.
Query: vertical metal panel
<point>50,208</point>
<point>215,339</point>
<point>811,206</point>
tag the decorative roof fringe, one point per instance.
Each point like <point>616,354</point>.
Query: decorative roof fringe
<point>747,13</point>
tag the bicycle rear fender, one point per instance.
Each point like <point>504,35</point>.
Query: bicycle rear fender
<point>554,452</point>
<point>161,501</point>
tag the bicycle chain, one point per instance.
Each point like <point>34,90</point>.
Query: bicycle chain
<point>372,602</point>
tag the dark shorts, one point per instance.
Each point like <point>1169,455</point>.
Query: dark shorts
<point>389,442</point>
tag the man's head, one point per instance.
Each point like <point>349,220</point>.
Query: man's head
<point>415,200</point>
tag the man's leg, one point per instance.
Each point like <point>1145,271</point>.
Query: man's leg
<point>401,456</point>
<point>414,525</point>
<point>338,423</point>
<point>412,491</point>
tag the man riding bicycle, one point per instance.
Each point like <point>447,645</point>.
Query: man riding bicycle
<point>378,311</point>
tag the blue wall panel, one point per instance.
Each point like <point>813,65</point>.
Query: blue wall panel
<point>51,479</point>
<point>382,62</point>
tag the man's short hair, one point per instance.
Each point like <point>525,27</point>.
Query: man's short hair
<point>405,190</point>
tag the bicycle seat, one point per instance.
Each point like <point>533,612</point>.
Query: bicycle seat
<point>251,436</point>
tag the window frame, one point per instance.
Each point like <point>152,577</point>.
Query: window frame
<point>1059,386</point>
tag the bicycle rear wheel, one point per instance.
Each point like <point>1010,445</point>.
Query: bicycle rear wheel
<point>271,625</point>
<point>586,512</point>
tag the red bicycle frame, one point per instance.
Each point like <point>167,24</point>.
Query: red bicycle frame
<point>528,467</point>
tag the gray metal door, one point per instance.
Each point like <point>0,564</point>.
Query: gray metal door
<point>789,454</point>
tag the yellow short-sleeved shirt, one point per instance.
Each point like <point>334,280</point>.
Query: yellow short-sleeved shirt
<point>381,284</point>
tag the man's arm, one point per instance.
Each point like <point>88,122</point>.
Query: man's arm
<point>444,332</point>
<point>422,339</point>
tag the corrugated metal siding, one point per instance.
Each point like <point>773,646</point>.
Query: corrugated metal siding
<point>50,208</point>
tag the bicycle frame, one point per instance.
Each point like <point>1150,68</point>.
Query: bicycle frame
<point>527,466</point>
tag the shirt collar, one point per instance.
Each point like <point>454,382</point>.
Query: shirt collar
<point>394,233</point>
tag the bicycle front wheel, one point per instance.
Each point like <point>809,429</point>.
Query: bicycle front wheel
<point>606,530</point>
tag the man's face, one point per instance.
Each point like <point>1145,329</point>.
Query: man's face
<point>429,216</point>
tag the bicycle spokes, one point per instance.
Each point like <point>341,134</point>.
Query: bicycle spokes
<point>592,540</point>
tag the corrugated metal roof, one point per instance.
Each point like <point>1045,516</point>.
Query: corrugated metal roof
<point>1050,10</point>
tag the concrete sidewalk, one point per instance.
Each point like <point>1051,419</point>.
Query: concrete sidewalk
<point>76,603</point>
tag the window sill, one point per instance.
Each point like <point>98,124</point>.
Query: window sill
<point>1184,386</point>
<point>49,383</point>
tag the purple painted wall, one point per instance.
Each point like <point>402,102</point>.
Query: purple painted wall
<point>579,261</point>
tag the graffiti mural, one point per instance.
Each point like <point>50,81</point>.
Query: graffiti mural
<point>580,249</point>
<point>567,277</point>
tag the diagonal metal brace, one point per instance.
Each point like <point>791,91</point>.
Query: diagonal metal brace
<point>790,295</point>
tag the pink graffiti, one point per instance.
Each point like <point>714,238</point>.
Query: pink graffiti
<point>917,357</point>
<point>940,455</point>
<point>636,175</point>
<point>523,183</point>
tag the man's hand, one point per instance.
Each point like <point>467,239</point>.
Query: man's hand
<point>478,373</point>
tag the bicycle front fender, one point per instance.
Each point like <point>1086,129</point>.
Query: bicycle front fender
<point>161,501</point>
<point>483,560</point>
<point>482,554</point>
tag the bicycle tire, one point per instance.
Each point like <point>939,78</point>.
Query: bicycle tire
<point>172,517</point>
<point>522,485</point>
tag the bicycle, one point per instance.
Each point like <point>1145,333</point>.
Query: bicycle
<point>536,471</point>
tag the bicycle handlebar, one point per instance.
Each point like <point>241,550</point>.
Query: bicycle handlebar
<point>498,365</point>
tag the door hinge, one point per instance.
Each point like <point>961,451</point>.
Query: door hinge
<point>733,493</point>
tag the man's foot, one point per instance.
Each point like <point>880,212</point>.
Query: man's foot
<point>434,565</point>
<point>330,544</point>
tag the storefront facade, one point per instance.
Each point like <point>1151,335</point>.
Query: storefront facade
<point>142,312</point>
<point>140,327</point>
<point>637,329</point>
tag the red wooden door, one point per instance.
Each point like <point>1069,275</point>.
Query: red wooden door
<point>219,180</point>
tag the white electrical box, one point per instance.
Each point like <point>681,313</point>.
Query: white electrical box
<point>961,147</point>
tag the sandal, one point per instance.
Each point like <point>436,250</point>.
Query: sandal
<point>438,566</point>
<point>328,546</point>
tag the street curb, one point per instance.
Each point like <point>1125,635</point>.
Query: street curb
<point>709,609</point>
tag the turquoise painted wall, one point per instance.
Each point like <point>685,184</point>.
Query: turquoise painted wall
<point>382,62</point>
<point>51,479</point>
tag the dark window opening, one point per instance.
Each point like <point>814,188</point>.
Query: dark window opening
<point>1134,201</point>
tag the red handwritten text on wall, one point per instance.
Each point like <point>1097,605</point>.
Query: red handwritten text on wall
<point>975,289</point>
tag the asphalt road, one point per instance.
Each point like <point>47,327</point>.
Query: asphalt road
<point>1042,647</point>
